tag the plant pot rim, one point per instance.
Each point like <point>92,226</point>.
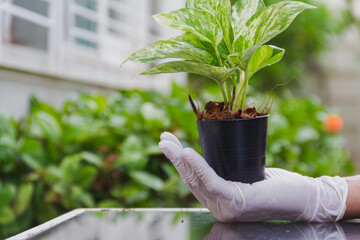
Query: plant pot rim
<point>235,120</point>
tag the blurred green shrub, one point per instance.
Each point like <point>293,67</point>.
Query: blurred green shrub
<point>298,140</point>
<point>98,151</point>
<point>102,151</point>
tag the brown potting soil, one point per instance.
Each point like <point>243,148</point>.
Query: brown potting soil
<point>218,111</point>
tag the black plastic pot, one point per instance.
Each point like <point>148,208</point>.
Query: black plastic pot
<point>235,148</point>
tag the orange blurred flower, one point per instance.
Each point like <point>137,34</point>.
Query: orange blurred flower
<point>333,123</point>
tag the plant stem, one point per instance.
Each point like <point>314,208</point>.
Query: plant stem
<point>239,89</point>
<point>223,93</point>
<point>244,91</point>
<point>235,89</point>
<point>235,79</point>
<point>228,92</point>
<point>218,56</point>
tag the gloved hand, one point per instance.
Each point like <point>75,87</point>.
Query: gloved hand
<point>283,195</point>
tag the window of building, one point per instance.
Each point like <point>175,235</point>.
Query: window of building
<point>26,23</point>
<point>28,34</point>
<point>115,20</point>
<point>83,29</point>
<point>37,6</point>
<point>121,18</point>
<point>77,39</point>
<point>90,4</point>
<point>85,24</point>
<point>113,14</point>
<point>85,43</point>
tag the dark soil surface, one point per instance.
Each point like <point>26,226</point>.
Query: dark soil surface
<point>218,111</point>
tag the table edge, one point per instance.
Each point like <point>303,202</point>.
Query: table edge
<point>62,218</point>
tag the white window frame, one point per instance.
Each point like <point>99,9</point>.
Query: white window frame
<point>7,8</point>
<point>76,32</point>
<point>66,59</point>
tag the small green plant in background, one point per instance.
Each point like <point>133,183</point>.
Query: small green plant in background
<point>102,151</point>
<point>222,41</point>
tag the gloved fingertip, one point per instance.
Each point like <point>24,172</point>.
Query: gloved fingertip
<point>170,137</point>
<point>163,135</point>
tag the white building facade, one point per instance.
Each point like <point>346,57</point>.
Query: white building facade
<point>56,48</point>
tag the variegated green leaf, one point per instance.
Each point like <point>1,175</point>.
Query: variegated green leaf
<point>243,58</point>
<point>193,40</point>
<point>256,57</point>
<point>221,10</point>
<point>219,74</point>
<point>273,20</point>
<point>242,11</point>
<point>264,56</point>
<point>209,42</point>
<point>171,49</point>
<point>241,44</point>
<point>201,23</point>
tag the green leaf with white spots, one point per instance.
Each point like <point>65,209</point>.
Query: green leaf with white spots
<point>263,57</point>
<point>218,74</point>
<point>256,57</point>
<point>221,10</point>
<point>243,58</point>
<point>242,11</point>
<point>272,20</point>
<point>172,49</point>
<point>193,40</point>
<point>201,23</point>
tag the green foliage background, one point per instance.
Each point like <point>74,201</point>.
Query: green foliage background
<point>102,151</point>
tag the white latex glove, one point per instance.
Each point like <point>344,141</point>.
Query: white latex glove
<point>283,195</point>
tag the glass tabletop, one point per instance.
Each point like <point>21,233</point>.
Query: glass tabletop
<point>177,224</point>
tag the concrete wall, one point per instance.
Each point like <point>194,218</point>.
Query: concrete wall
<point>16,87</point>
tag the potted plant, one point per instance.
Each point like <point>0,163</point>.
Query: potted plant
<point>226,43</point>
